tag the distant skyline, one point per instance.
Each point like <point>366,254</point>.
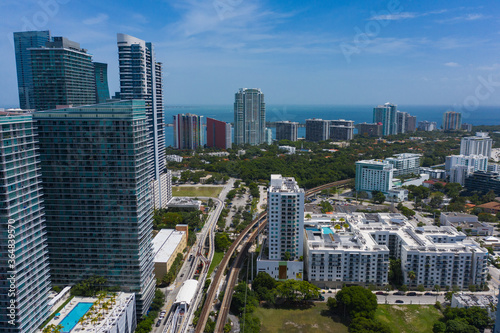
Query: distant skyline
<point>314,52</point>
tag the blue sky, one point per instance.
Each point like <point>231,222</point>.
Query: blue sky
<point>298,52</point>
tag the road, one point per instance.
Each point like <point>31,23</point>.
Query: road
<point>197,252</point>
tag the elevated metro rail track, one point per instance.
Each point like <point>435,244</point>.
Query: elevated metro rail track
<point>248,235</point>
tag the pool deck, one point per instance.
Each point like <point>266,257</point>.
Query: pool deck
<point>67,309</point>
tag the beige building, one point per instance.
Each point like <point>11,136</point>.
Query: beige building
<point>167,244</point>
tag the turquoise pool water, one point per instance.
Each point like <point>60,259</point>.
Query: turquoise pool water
<point>72,318</point>
<point>327,230</point>
<point>312,229</point>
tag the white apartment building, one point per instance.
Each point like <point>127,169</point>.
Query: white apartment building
<point>288,149</point>
<point>285,229</point>
<point>162,190</point>
<point>459,167</point>
<point>173,158</point>
<point>333,258</point>
<point>480,144</point>
<point>405,164</point>
<point>374,175</point>
<point>437,255</point>
<point>433,173</point>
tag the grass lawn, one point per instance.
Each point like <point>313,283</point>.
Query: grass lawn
<point>408,318</point>
<point>315,319</point>
<point>215,261</point>
<point>196,191</point>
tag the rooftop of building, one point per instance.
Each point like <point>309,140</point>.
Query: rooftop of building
<point>491,205</point>
<point>102,316</point>
<point>403,156</point>
<point>475,299</point>
<point>165,243</point>
<point>456,214</point>
<point>184,202</point>
<point>375,162</point>
<point>321,234</point>
<point>280,184</point>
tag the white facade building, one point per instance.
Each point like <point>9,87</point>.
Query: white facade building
<point>174,158</point>
<point>433,173</point>
<point>289,150</point>
<point>459,167</point>
<point>405,164</point>
<point>373,175</point>
<point>437,255</point>
<point>162,192</point>
<point>480,144</point>
<point>285,229</point>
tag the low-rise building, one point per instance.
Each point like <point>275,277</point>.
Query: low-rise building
<point>288,149</point>
<point>167,244</point>
<point>184,203</point>
<point>433,173</point>
<point>467,223</point>
<point>173,158</point>
<point>487,302</point>
<point>490,207</point>
<point>360,255</point>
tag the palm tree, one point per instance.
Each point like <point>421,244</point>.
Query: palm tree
<point>437,288</point>
<point>346,226</point>
<point>412,276</point>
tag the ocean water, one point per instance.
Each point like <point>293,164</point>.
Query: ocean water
<point>483,115</point>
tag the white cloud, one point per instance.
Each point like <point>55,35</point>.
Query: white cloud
<point>452,64</point>
<point>468,17</point>
<point>394,17</point>
<point>405,15</point>
<point>493,67</point>
<point>96,20</point>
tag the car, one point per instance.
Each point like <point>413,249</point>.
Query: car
<point>158,323</point>
<point>380,293</point>
<point>429,294</point>
<point>399,301</point>
<point>399,293</point>
<point>412,293</point>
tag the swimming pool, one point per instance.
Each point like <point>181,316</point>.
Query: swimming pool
<point>72,318</point>
<point>327,230</point>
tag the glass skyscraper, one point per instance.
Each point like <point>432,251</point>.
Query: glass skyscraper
<point>386,115</point>
<point>22,42</point>
<point>141,78</point>
<point>97,195</point>
<point>249,117</point>
<point>101,82</point>
<point>63,74</point>
<point>24,266</point>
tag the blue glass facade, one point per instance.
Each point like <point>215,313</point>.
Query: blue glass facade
<point>63,74</point>
<point>24,266</point>
<point>97,194</point>
<point>22,42</point>
<point>101,82</point>
<point>141,78</point>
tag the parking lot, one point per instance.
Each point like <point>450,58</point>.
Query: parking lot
<point>391,298</point>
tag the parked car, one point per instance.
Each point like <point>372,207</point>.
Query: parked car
<point>429,294</point>
<point>399,293</point>
<point>411,293</point>
<point>398,301</point>
<point>380,293</point>
<point>158,323</point>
